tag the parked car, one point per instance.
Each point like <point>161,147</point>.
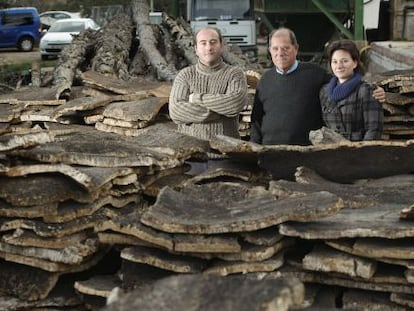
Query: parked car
<point>60,34</point>
<point>19,28</point>
<point>49,17</point>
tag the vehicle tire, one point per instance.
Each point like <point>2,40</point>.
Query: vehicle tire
<point>26,44</point>
<point>45,57</point>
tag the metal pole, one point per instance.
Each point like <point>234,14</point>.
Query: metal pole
<point>359,20</point>
<point>333,18</point>
<point>175,10</point>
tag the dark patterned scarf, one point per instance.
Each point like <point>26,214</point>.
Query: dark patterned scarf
<point>338,92</point>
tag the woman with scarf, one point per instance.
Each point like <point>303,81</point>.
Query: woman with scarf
<point>348,107</point>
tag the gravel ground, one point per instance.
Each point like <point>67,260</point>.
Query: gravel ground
<point>14,56</point>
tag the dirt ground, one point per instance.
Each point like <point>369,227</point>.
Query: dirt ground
<point>13,56</point>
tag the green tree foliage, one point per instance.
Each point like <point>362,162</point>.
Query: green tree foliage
<point>64,5</point>
<point>86,5</point>
<point>20,3</point>
<point>3,4</point>
<point>78,5</point>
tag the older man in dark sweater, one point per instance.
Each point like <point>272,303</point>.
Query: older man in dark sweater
<point>286,106</point>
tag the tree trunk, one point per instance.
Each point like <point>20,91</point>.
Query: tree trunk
<point>183,36</point>
<point>148,43</point>
<point>113,46</point>
<point>71,59</point>
<point>156,53</point>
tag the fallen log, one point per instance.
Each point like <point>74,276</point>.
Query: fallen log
<point>112,48</point>
<point>154,52</point>
<point>148,44</point>
<point>183,38</point>
<point>71,59</point>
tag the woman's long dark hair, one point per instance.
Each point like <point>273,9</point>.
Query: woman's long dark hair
<point>350,47</point>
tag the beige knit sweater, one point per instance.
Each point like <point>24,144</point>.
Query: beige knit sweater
<point>218,94</point>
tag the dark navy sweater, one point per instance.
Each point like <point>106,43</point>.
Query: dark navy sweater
<point>287,107</point>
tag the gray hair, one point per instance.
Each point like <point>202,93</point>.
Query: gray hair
<point>279,32</point>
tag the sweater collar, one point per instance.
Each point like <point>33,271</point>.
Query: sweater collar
<point>210,69</point>
<point>291,69</point>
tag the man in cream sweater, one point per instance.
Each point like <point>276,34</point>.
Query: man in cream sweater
<point>206,98</point>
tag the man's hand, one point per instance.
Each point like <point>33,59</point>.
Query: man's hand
<point>379,94</point>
